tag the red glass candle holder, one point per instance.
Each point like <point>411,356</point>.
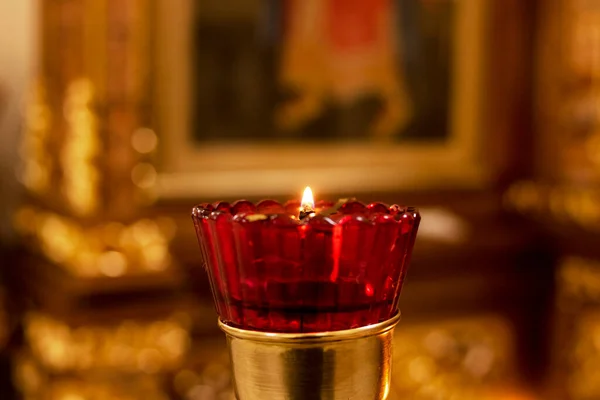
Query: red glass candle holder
<point>338,269</point>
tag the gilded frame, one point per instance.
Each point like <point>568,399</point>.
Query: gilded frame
<point>188,172</point>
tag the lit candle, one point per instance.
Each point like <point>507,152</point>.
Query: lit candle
<point>314,299</point>
<point>307,205</point>
<point>257,254</point>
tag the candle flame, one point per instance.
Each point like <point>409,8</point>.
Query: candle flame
<point>308,201</point>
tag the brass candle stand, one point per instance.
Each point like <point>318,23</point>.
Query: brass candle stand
<point>340,365</point>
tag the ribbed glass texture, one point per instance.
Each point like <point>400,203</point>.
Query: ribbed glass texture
<point>334,270</point>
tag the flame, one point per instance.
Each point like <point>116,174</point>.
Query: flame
<point>308,201</point>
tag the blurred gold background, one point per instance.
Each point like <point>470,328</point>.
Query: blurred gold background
<point>117,116</point>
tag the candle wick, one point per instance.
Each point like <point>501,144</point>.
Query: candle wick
<point>306,210</point>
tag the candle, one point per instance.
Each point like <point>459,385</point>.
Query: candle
<point>338,268</point>
<point>307,293</point>
<point>307,205</point>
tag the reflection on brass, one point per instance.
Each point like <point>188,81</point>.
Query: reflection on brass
<point>130,346</point>
<point>576,205</point>
<point>453,359</point>
<point>127,360</point>
<point>523,196</point>
<point>80,148</point>
<point>26,375</point>
<point>209,380</point>
<point>35,383</point>
<point>110,249</point>
<point>578,297</point>
<point>36,160</point>
<point>578,110</point>
<point>350,364</point>
<point>585,25</point>
<point>579,279</point>
<point>584,358</point>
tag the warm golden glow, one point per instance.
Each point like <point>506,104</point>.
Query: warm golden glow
<point>308,201</point>
<point>149,346</point>
<point>111,249</point>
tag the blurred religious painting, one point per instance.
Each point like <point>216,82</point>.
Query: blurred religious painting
<point>322,70</point>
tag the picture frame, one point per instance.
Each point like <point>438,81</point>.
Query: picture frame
<point>188,169</point>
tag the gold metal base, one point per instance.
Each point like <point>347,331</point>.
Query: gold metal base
<point>353,364</point>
